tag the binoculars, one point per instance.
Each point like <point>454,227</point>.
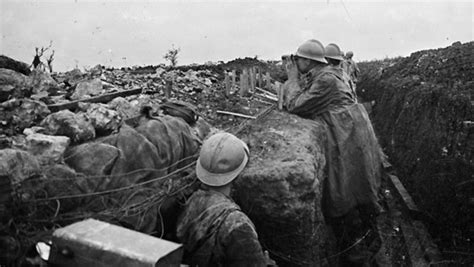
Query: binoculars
<point>288,57</point>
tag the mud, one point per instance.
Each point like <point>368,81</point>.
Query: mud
<point>422,113</point>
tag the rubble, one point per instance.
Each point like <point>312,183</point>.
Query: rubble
<point>77,127</point>
<point>47,148</point>
<point>87,88</point>
<point>124,108</point>
<point>18,114</point>
<point>72,78</point>
<point>42,81</point>
<point>13,85</point>
<point>104,119</point>
<point>18,165</point>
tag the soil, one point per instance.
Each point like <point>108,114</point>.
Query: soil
<point>422,115</point>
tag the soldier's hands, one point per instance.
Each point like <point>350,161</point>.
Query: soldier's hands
<point>291,70</point>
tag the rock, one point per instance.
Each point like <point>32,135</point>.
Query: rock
<point>47,148</point>
<point>18,114</point>
<point>33,130</point>
<point>19,165</point>
<point>18,66</point>
<point>92,158</point>
<point>124,108</point>
<point>61,180</point>
<point>13,85</point>
<point>160,71</point>
<point>42,81</point>
<point>87,88</point>
<point>73,77</point>
<point>104,120</point>
<point>75,126</point>
<point>281,188</point>
<point>96,71</point>
<point>5,141</point>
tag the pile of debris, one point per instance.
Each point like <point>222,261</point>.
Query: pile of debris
<point>423,115</point>
<point>80,144</point>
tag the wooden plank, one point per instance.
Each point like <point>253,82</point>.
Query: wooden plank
<point>235,114</point>
<point>97,99</point>
<point>233,79</point>
<point>280,97</point>
<point>408,202</point>
<point>227,84</point>
<point>413,246</point>
<point>265,92</point>
<point>168,88</point>
<point>252,79</point>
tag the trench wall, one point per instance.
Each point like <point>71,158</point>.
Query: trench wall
<point>422,115</point>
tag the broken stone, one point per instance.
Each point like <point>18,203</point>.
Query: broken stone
<point>87,88</point>
<point>73,77</point>
<point>47,148</point>
<point>33,130</point>
<point>13,85</point>
<point>75,126</point>
<point>160,71</point>
<point>281,188</point>
<point>96,71</point>
<point>19,165</point>
<point>104,120</point>
<point>5,141</point>
<point>124,108</point>
<point>18,114</point>
<point>42,81</point>
<point>92,158</point>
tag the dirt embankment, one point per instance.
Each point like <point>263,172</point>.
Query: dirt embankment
<point>423,116</point>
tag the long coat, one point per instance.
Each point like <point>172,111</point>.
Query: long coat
<point>353,154</point>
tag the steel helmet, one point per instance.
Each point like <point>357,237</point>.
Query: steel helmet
<point>333,51</point>
<point>349,54</point>
<point>312,49</point>
<point>222,158</point>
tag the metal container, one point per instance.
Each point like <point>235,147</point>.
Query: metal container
<point>95,243</point>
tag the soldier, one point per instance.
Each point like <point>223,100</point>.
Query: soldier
<point>351,68</point>
<point>213,229</point>
<point>350,192</point>
<point>334,57</point>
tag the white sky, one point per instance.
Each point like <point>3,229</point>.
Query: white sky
<point>127,33</point>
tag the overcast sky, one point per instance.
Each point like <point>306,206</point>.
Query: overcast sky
<point>127,33</point>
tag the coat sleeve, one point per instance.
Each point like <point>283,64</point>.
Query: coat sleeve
<point>241,246</point>
<point>313,99</point>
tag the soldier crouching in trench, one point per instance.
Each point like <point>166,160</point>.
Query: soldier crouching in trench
<point>350,193</point>
<point>213,229</point>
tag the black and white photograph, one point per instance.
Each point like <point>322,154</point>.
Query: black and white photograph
<point>236,133</point>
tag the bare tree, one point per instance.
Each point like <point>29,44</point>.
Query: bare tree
<point>172,56</point>
<point>39,53</point>
<point>50,62</point>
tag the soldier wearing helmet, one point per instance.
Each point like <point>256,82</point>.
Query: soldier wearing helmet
<point>213,229</point>
<point>310,80</point>
<point>350,198</point>
<point>334,56</point>
<point>351,68</point>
